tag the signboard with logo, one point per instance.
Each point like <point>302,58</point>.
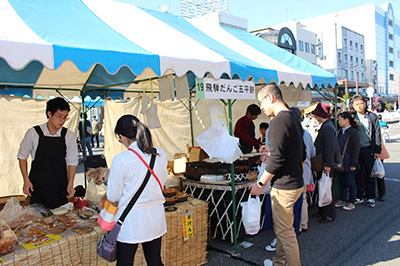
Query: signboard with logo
<point>207,88</point>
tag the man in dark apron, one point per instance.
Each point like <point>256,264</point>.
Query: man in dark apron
<point>54,158</point>
<point>245,129</point>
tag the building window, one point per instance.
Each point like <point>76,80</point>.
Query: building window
<point>345,42</point>
<point>391,64</point>
<point>313,48</point>
<point>361,47</point>
<point>362,77</point>
<point>345,58</point>
<point>351,75</point>
<point>390,23</point>
<point>357,60</point>
<point>390,36</point>
<point>362,62</point>
<point>301,46</point>
<point>339,57</point>
<point>356,44</point>
<point>351,59</point>
<point>346,74</point>
<point>307,47</point>
<point>358,75</point>
<point>391,50</point>
<point>351,44</point>
<point>391,77</point>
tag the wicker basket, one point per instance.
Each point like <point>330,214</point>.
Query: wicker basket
<point>80,249</point>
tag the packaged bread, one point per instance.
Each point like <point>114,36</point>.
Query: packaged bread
<point>7,238</point>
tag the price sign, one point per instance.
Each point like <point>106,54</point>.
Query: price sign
<point>187,225</point>
<point>41,241</point>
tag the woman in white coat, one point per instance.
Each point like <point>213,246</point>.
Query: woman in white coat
<point>145,223</point>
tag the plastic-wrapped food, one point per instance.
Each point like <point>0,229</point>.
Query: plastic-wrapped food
<point>7,238</point>
<point>11,211</point>
<point>21,217</point>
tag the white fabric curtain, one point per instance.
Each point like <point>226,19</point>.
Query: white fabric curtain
<point>17,115</point>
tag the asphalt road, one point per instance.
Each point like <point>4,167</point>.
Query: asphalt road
<point>363,236</point>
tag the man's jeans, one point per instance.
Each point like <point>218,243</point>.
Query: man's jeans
<point>363,176</point>
<point>347,181</point>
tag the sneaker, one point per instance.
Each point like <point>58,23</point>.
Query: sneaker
<point>271,246</point>
<point>359,201</point>
<point>349,207</point>
<point>340,203</point>
<point>371,203</point>
<point>268,262</point>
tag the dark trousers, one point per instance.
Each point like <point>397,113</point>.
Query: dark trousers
<point>97,139</point>
<point>365,183</point>
<point>381,186</point>
<point>152,253</point>
<point>329,210</point>
<point>347,181</point>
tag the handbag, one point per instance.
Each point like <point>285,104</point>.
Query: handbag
<point>339,168</point>
<point>317,163</point>
<point>324,190</point>
<point>107,245</point>
<point>310,188</point>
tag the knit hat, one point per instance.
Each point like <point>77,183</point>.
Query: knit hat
<point>297,113</point>
<point>322,110</point>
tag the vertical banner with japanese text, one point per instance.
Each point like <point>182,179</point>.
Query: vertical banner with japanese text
<point>207,88</point>
<point>187,225</point>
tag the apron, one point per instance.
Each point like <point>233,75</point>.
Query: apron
<point>48,173</point>
<point>248,148</point>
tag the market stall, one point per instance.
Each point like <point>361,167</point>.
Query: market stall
<point>76,245</point>
<point>103,47</point>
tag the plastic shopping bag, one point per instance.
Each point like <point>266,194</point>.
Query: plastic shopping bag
<point>378,170</point>
<point>324,190</point>
<point>251,214</point>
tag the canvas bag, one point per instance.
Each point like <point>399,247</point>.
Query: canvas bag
<point>107,245</point>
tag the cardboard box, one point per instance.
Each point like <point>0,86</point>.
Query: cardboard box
<point>197,154</point>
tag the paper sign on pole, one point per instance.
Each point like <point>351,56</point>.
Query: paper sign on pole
<point>187,225</point>
<point>207,88</point>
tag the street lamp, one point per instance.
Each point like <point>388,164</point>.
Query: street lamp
<point>370,93</point>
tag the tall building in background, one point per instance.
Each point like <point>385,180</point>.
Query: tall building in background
<point>197,8</point>
<point>379,30</point>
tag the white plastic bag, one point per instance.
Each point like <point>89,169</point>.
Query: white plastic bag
<point>378,170</point>
<point>251,214</point>
<point>324,190</point>
<point>216,141</point>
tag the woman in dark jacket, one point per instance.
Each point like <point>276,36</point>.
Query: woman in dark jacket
<point>326,144</point>
<point>349,142</point>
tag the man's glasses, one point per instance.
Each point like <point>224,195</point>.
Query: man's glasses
<point>60,117</point>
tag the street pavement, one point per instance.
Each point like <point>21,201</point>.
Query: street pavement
<point>363,236</point>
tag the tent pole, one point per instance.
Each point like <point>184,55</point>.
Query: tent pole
<point>235,253</point>
<point>191,118</point>
<point>83,145</point>
<point>336,98</point>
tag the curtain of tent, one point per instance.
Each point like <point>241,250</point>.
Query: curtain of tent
<point>17,115</point>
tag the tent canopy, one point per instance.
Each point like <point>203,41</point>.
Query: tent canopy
<point>91,45</point>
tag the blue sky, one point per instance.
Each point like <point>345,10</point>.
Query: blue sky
<point>262,13</point>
